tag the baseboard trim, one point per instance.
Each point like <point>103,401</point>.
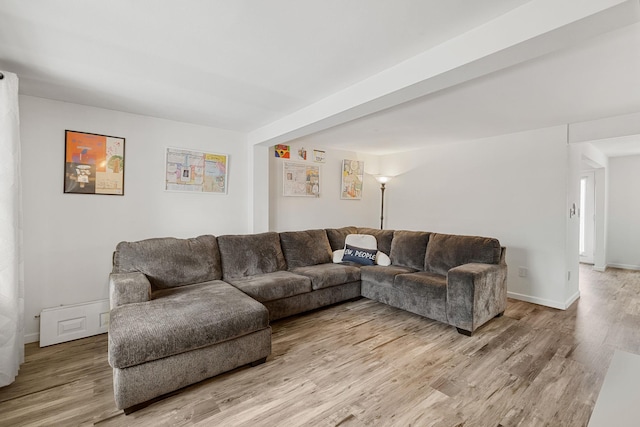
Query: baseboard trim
<point>600,269</point>
<point>573,298</point>
<point>536,300</point>
<point>624,266</point>
<point>33,337</point>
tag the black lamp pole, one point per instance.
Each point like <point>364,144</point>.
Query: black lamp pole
<point>381,205</point>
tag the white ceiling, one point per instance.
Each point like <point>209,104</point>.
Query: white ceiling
<point>241,65</point>
<point>618,147</point>
<point>595,79</point>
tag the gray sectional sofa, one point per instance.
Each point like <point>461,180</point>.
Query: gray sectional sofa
<point>183,310</point>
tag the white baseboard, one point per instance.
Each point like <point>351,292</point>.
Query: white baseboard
<point>29,338</point>
<point>573,298</point>
<point>536,300</point>
<point>600,269</point>
<point>624,266</point>
<point>71,322</point>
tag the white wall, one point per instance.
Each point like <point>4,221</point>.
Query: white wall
<point>623,236</point>
<point>572,242</point>
<point>69,238</point>
<point>328,210</point>
<point>512,187</point>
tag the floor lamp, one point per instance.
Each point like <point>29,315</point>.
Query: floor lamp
<point>382,180</point>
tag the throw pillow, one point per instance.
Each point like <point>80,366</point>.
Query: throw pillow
<point>359,255</point>
<point>337,255</point>
<point>383,259</point>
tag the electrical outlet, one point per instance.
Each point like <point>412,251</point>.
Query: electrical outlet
<point>523,271</point>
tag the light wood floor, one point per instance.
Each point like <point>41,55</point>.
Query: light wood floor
<point>365,364</point>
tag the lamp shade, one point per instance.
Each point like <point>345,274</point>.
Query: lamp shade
<point>383,179</point>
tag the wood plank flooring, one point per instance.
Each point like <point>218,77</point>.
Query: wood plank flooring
<point>362,363</point>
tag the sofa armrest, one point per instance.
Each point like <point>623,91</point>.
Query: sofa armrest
<point>127,288</point>
<point>476,293</point>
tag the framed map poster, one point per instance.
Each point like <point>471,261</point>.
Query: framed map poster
<point>300,179</point>
<point>352,179</point>
<point>195,171</point>
<point>94,164</point>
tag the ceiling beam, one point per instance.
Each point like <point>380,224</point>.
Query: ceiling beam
<point>532,30</point>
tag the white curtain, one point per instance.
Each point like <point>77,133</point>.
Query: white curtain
<point>11,267</point>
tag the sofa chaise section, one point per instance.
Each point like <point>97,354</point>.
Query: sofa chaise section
<point>174,322</point>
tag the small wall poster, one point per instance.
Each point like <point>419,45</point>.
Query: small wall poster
<point>283,151</point>
<point>352,179</point>
<point>319,156</point>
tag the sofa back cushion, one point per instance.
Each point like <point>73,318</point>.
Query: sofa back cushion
<point>250,254</point>
<point>408,248</point>
<point>169,262</point>
<point>446,251</point>
<point>337,236</point>
<point>384,238</point>
<point>304,248</point>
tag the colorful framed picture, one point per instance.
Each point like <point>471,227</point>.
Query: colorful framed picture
<point>94,164</point>
<point>195,171</point>
<point>282,151</point>
<point>352,179</point>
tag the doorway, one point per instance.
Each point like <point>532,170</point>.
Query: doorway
<point>587,215</point>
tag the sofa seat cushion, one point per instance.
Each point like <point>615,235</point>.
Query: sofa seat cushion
<point>423,283</point>
<point>327,275</point>
<point>424,293</point>
<point>272,286</point>
<point>383,275</point>
<point>181,319</point>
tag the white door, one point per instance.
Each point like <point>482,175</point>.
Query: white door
<point>587,216</point>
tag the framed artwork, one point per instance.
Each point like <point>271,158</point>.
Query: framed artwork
<point>352,179</point>
<point>195,171</point>
<point>319,156</point>
<point>300,180</point>
<point>282,151</point>
<point>94,164</point>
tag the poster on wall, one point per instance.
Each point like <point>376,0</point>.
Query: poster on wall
<point>300,180</point>
<point>282,151</point>
<point>319,156</point>
<point>352,179</point>
<point>196,171</point>
<point>94,164</point>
